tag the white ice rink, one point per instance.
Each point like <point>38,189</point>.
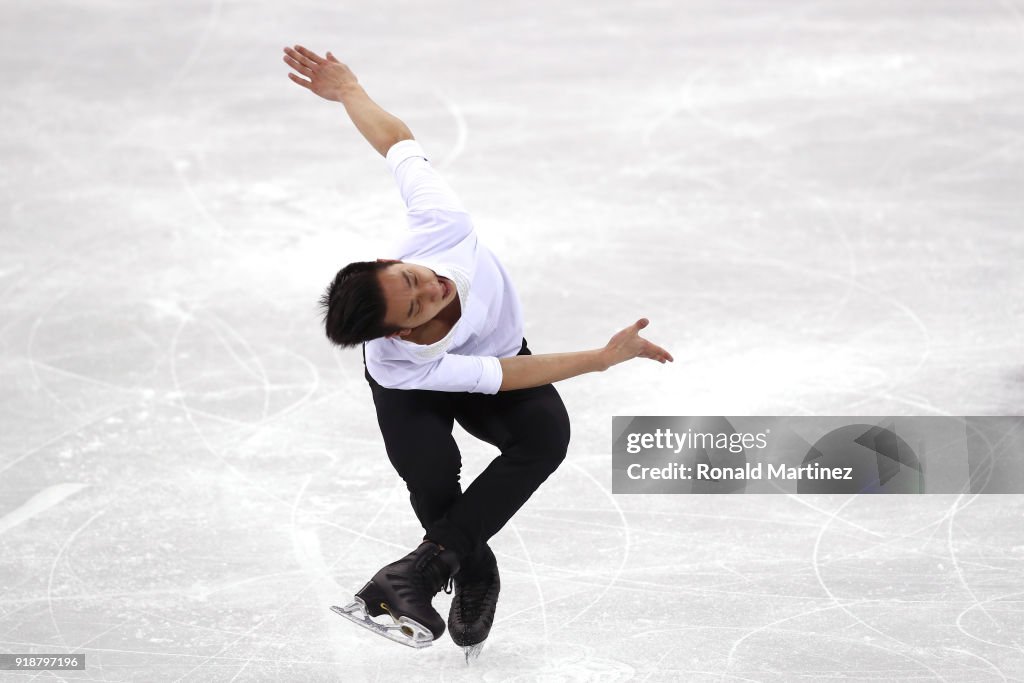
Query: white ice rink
<point>817,204</point>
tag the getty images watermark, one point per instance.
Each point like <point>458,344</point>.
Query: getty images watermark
<point>818,454</point>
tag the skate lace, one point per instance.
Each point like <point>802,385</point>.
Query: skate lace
<point>437,578</point>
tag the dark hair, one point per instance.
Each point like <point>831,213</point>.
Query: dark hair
<point>354,305</point>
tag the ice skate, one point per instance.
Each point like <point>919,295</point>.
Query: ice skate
<point>403,590</point>
<point>473,605</point>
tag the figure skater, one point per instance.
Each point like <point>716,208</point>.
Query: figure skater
<point>441,328</point>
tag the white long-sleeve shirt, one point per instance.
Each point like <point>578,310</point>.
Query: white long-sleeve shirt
<point>441,237</point>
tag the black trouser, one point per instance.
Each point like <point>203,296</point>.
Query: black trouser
<point>529,426</point>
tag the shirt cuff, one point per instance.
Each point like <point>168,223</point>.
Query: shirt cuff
<point>490,378</point>
<point>402,150</point>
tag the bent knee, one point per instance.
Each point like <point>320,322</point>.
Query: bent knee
<point>549,438</point>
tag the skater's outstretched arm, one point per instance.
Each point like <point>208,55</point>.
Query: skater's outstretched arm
<point>332,80</point>
<point>522,372</point>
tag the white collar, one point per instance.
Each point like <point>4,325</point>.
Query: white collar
<point>461,279</point>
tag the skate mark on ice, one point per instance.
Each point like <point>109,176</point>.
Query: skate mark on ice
<point>306,544</point>
<point>30,353</point>
<point>1017,647</point>
<point>183,403</point>
<point>314,385</point>
<point>241,669</point>
<point>185,655</point>
<point>536,582</point>
<point>673,110</point>
<point>919,403</point>
<point>38,504</point>
<point>218,655</point>
<point>978,604</point>
<point>977,656</point>
<point>730,661</point>
<point>893,540</point>
<point>756,258</point>
<point>816,564</point>
<point>219,232</point>
<point>461,130</point>
<point>74,430</point>
<point>626,546</point>
<point>656,666</point>
<point>953,557</point>
<point>256,485</point>
<point>837,604</point>
<point>257,371</point>
<point>307,550</point>
<point>954,508</point>
<point>193,57</point>
<point>53,570</point>
<point>363,533</point>
<point>798,499</point>
<point>698,515</point>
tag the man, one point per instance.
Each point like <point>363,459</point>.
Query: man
<point>442,335</point>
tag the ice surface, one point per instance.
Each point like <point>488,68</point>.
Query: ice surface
<point>818,205</point>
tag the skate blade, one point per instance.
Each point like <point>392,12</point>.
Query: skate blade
<point>472,652</point>
<point>405,631</point>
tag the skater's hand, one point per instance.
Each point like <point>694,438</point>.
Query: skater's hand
<point>628,344</point>
<point>328,77</point>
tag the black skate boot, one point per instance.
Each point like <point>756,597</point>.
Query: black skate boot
<point>474,602</point>
<point>403,590</point>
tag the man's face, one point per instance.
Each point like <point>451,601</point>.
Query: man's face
<point>414,294</point>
